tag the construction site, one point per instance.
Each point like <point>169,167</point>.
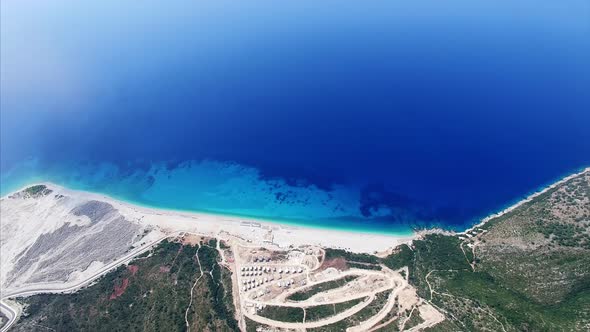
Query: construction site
<point>304,289</point>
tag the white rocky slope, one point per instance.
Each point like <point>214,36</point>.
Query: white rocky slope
<point>48,236</point>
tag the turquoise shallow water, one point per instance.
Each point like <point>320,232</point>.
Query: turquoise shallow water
<point>210,187</point>
<point>229,189</point>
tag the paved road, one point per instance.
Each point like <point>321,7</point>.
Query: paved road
<point>12,313</point>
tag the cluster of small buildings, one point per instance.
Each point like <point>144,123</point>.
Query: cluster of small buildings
<point>258,270</point>
<point>253,283</point>
<point>293,270</point>
<point>250,271</point>
<point>261,259</point>
<point>285,283</point>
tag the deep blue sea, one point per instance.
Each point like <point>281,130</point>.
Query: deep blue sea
<point>372,115</point>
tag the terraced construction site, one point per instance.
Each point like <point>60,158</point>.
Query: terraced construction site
<point>173,277</point>
<point>316,289</point>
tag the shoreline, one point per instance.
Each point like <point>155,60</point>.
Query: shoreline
<point>334,224</point>
<point>289,227</point>
<point>525,200</point>
<point>256,231</point>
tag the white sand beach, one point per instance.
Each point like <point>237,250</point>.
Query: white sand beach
<point>258,232</point>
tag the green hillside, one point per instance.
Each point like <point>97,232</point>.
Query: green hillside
<point>150,294</point>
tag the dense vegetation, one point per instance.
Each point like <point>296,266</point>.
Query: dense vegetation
<point>403,256</point>
<point>363,266</point>
<point>150,294</point>
<point>476,300</point>
<point>531,267</point>
<point>283,314</point>
<point>343,259</point>
<point>350,256</point>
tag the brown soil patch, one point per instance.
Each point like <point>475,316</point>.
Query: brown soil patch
<point>133,269</point>
<point>118,290</point>
<point>337,263</point>
<point>191,239</point>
